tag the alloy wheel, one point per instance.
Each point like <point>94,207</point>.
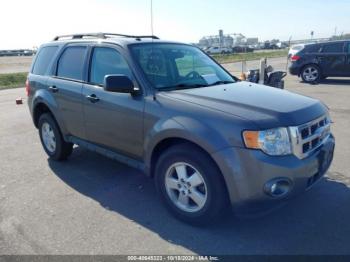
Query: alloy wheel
<point>310,74</point>
<point>186,187</point>
<point>48,137</point>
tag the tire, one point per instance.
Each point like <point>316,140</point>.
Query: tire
<point>311,74</point>
<point>51,138</point>
<point>207,197</point>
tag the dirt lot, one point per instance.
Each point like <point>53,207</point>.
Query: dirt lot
<point>15,64</point>
<point>92,205</point>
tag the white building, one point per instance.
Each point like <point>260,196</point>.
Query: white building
<point>222,40</point>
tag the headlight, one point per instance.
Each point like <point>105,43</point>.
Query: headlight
<point>273,142</point>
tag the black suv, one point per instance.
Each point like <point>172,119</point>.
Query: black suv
<point>319,61</point>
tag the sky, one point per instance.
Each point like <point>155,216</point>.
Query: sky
<point>28,23</point>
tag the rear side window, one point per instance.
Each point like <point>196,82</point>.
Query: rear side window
<point>313,49</point>
<point>333,48</point>
<point>71,63</point>
<point>107,61</point>
<point>43,60</point>
<point>297,47</point>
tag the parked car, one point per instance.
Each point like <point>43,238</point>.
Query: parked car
<point>209,140</point>
<point>242,49</point>
<point>218,50</point>
<point>315,62</point>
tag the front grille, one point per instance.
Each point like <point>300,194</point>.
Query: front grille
<point>308,137</point>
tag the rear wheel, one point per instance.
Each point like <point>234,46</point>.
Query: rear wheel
<point>191,185</point>
<point>51,138</point>
<point>311,74</point>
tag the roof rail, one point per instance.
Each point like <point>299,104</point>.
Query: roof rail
<point>102,35</point>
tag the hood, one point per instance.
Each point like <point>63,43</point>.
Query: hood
<point>267,107</point>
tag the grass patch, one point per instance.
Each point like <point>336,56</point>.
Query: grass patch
<point>13,80</point>
<point>231,58</point>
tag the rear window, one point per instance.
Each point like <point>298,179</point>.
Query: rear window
<point>43,60</point>
<point>333,48</point>
<point>71,63</point>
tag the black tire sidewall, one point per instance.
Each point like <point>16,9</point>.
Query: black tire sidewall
<point>210,174</point>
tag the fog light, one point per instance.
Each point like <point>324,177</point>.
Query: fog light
<point>278,187</point>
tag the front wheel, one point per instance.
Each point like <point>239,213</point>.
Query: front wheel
<point>311,74</point>
<point>191,185</point>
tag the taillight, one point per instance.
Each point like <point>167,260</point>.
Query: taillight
<point>295,58</point>
<point>27,87</point>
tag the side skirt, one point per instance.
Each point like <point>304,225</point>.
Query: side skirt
<point>108,153</point>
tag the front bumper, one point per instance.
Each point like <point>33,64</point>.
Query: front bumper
<point>246,172</point>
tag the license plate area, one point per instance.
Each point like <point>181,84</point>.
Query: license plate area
<point>324,158</point>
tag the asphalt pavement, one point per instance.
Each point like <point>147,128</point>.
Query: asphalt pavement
<point>93,205</point>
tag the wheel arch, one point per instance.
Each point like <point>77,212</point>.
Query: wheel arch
<point>39,109</point>
<point>41,106</point>
<point>167,143</point>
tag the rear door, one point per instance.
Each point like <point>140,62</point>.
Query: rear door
<point>332,59</point>
<point>66,86</point>
<point>114,120</point>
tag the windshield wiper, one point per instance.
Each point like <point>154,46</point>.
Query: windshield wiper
<point>182,86</point>
<point>221,82</point>
<point>189,86</point>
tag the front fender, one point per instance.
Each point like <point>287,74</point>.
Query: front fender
<point>184,128</point>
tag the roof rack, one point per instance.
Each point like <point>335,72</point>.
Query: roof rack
<point>102,35</point>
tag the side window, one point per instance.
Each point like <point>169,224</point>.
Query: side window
<point>333,48</point>
<point>348,45</point>
<point>71,63</point>
<point>107,61</point>
<point>43,60</point>
<point>313,49</point>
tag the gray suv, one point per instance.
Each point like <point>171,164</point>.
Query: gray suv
<point>209,140</point>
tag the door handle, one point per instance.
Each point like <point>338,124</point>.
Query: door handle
<point>92,98</point>
<point>53,89</point>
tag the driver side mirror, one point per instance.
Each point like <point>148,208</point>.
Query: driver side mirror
<point>119,84</point>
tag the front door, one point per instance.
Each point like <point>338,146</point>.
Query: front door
<point>114,120</point>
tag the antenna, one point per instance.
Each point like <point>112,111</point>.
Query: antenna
<point>151,17</point>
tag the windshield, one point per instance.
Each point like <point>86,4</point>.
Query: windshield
<point>178,66</point>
